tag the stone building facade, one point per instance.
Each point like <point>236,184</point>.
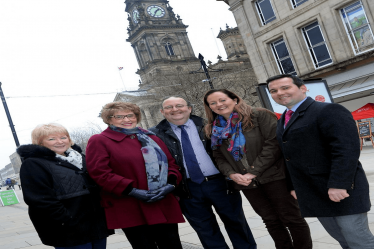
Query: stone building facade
<point>329,39</point>
<point>166,59</point>
<point>16,162</point>
<point>7,172</point>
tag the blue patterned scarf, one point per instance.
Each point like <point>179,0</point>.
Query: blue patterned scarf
<point>156,162</point>
<point>231,130</point>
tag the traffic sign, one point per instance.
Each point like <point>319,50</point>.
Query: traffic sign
<point>8,197</point>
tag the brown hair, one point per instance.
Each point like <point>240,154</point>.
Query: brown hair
<point>43,130</point>
<point>111,108</point>
<point>243,109</point>
<point>296,80</point>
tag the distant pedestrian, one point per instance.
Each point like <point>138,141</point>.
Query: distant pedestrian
<point>8,182</point>
<point>13,183</point>
<point>64,202</point>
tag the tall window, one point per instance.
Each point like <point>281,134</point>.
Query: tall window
<point>357,27</point>
<point>265,11</point>
<point>169,48</point>
<point>296,3</point>
<point>316,45</point>
<point>282,57</point>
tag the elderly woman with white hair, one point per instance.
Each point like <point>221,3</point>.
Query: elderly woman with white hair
<point>64,202</point>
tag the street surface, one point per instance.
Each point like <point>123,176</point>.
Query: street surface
<point>17,231</point>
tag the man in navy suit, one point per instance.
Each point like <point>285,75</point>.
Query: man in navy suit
<point>321,147</point>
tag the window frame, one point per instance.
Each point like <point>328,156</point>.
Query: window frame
<point>278,60</point>
<point>260,12</point>
<point>307,42</point>
<point>169,48</point>
<point>294,3</point>
<point>350,32</point>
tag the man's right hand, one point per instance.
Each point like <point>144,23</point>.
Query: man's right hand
<point>140,194</point>
<point>336,195</point>
<point>293,193</point>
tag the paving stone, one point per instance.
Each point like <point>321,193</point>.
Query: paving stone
<point>17,231</point>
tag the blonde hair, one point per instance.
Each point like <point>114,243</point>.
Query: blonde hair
<point>111,108</point>
<point>43,130</point>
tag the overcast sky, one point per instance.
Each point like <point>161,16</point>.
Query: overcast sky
<point>50,48</point>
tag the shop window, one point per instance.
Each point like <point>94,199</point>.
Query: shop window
<point>282,57</point>
<point>265,11</point>
<point>316,44</point>
<point>357,27</point>
<point>296,3</point>
<point>169,48</point>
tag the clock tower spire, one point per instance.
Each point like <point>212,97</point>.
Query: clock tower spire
<point>159,39</point>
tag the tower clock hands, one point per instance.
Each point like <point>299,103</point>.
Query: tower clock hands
<point>155,11</point>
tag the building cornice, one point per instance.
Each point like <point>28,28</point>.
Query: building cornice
<point>148,27</point>
<point>341,66</point>
<point>228,32</point>
<point>235,5</point>
<point>226,1</point>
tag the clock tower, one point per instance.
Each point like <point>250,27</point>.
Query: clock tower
<point>159,39</point>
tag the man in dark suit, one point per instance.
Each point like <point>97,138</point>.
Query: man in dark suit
<point>321,147</point>
<point>203,186</point>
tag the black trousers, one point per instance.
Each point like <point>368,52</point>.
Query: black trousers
<point>279,211</point>
<point>200,215</point>
<point>159,236</point>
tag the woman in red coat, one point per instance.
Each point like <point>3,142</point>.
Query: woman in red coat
<point>137,175</point>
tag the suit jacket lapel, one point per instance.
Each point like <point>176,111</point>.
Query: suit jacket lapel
<point>281,122</point>
<point>298,113</point>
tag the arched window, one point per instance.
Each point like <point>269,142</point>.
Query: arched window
<point>169,48</point>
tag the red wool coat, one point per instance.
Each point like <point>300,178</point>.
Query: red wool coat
<point>114,161</point>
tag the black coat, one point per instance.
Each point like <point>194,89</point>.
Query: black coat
<point>164,131</point>
<point>321,148</point>
<point>64,202</point>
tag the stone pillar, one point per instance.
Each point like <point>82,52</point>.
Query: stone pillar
<point>148,117</point>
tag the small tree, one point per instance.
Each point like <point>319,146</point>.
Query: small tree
<point>81,135</point>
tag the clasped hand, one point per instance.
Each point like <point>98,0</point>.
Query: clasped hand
<point>161,192</point>
<point>140,194</point>
<point>240,179</point>
<point>151,196</point>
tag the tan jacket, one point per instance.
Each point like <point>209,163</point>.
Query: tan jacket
<point>263,155</point>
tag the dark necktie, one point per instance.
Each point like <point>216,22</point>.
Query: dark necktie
<point>287,117</point>
<point>190,158</point>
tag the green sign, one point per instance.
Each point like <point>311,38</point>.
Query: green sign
<point>8,197</point>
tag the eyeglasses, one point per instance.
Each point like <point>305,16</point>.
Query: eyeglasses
<point>169,107</point>
<point>118,117</point>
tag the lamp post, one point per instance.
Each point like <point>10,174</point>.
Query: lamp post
<point>205,69</point>
<point>9,117</point>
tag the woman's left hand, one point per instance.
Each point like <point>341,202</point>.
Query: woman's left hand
<point>250,176</point>
<point>162,192</point>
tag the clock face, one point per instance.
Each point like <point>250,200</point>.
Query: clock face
<point>135,16</point>
<point>155,11</point>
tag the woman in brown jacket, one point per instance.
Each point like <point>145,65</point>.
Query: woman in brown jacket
<point>246,150</point>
